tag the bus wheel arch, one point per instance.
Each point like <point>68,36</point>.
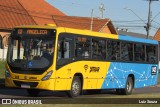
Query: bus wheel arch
<point>133,79</point>
<point>76,85</point>
<point>130,82</point>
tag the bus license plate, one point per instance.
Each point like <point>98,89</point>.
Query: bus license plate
<point>25,86</point>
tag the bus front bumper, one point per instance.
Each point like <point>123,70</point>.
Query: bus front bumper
<point>26,84</point>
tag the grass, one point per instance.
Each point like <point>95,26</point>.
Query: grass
<point>2,69</point>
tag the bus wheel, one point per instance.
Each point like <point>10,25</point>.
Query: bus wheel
<point>129,87</point>
<point>33,92</point>
<point>75,87</point>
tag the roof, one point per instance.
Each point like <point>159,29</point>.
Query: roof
<point>157,35</point>
<point>138,35</point>
<point>83,23</point>
<point>38,12</point>
<point>25,12</point>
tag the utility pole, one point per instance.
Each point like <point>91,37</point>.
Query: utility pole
<point>102,9</point>
<point>91,20</point>
<point>148,27</point>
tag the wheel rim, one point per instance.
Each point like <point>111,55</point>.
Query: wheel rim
<point>75,87</point>
<point>129,86</point>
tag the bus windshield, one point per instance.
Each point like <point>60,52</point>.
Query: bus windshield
<point>31,48</point>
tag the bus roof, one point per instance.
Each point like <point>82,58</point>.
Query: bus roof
<point>92,33</point>
<point>72,30</point>
<point>134,39</point>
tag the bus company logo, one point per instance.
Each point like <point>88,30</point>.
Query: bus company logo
<point>94,69</point>
<point>85,67</point>
<point>6,101</point>
<point>154,70</point>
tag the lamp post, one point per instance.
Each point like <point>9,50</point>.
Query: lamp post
<point>148,24</point>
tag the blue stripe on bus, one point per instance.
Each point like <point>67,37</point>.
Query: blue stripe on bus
<point>134,39</point>
<point>118,73</point>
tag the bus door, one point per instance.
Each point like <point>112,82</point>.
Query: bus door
<point>64,57</point>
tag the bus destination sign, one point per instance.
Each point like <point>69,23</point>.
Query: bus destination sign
<point>33,31</point>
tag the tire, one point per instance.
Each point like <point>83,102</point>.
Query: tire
<point>76,87</point>
<point>33,92</point>
<point>128,87</point>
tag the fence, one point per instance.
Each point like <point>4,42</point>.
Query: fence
<point>3,54</point>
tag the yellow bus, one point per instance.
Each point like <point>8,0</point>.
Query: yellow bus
<point>72,60</point>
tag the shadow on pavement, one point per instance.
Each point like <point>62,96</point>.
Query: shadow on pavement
<point>2,81</point>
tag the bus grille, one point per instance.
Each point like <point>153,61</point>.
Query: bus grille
<point>31,84</point>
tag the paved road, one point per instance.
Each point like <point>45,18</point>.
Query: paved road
<point>19,93</point>
<point>49,97</point>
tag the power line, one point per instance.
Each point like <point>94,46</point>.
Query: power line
<point>149,18</point>
<point>127,21</point>
<point>36,14</point>
<point>66,21</point>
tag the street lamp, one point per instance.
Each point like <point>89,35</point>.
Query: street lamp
<point>148,24</point>
<point>135,14</point>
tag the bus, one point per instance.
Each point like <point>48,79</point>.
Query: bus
<point>55,58</point>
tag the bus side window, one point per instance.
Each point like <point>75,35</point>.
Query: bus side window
<point>130,51</point>
<point>139,52</point>
<point>151,54</point>
<point>82,49</point>
<point>109,50</point>
<point>98,49</point>
<point>124,51</point>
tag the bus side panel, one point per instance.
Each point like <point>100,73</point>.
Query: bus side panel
<point>145,75</point>
<point>93,72</point>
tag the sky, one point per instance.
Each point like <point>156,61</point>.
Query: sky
<point>117,10</point>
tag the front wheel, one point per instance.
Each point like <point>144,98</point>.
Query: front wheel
<point>75,87</point>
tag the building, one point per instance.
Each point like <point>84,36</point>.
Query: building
<point>38,12</point>
<point>137,35</point>
<point>95,24</point>
<point>22,12</point>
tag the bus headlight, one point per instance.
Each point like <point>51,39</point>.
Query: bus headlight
<point>7,74</point>
<point>47,76</point>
